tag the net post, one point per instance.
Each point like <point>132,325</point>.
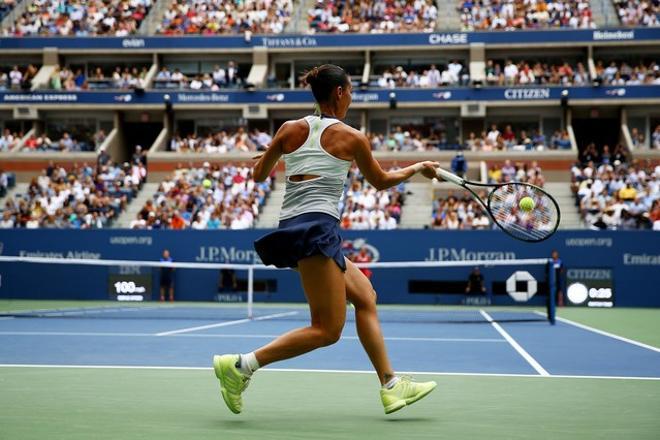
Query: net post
<point>552,294</point>
<point>250,291</point>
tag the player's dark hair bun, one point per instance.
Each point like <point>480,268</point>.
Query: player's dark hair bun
<point>324,79</point>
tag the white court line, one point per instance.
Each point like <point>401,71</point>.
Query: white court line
<point>521,351</point>
<point>230,335</point>
<point>225,324</point>
<point>302,370</point>
<point>608,334</point>
<point>6,317</point>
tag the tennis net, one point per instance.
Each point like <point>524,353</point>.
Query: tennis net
<point>423,292</point>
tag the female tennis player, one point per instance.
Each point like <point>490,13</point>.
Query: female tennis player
<point>318,151</point>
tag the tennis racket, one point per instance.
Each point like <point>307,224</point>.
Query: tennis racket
<point>502,205</point>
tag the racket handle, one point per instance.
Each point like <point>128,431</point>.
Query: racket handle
<point>449,177</point>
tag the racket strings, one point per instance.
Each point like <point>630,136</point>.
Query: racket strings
<point>533,225</point>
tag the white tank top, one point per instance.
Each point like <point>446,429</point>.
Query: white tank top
<point>321,194</point>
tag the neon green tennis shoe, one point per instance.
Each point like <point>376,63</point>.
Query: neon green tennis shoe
<point>404,392</point>
<point>232,381</point>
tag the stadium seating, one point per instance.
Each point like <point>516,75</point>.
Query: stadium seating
<point>211,197</point>
<point>524,73</point>
<point>226,76</point>
<point>373,16</point>
<point>224,141</point>
<point>623,74</point>
<point>638,12</point>
<point>452,74</point>
<point>84,197</point>
<point>613,193</point>
<point>9,139</point>
<point>17,77</point>
<point>521,14</point>
<point>212,17</point>
<point>365,208</point>
<point>511,140</point>
<point>81,18</point>
<point>67,143</point>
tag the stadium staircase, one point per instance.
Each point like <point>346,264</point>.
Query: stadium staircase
<point>604,14</point>
<point>298,23</point>
<point>155,17</point>
<point>126,217</point>
<point>268,218</point>
<point>13,15</point>
<point>418,207</point>
<point>570,217</point>
<point>448,16</point>
<point>19,188</point>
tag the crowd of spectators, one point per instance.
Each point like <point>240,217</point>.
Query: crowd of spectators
<point>624,74</point>
<point>65,143</point>
<point>535,73</point>
<point>461,211</point>
<point>212,17</point>
<point>17,78</point>
<point>638,12</point>
<point>373,16</point>
<point>83,197</point>
<point>614,193</point>
<point>210,197</point>
<point>64,78</point>
<point>458,212</point>
<point>223,141</point>
<point>80,18</point>
<point>516,172</point>
<point>409,139</point>
<point>454,74</point>
<point>511,140</point>
<point>363,207</point>
<point>228,77</point>
<point>525,14</point>
<point>9,139</point>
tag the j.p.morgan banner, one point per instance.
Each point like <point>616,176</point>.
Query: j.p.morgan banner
<point>627,263</point>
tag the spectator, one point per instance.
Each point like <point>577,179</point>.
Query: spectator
<point>475,283</point>
<point>364,257</point>
<point>558,267</point>
<point>227,282</point>
<point>166,277</point>
<point>459,164</point>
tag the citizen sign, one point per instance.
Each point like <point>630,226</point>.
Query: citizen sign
<point>523,94</point>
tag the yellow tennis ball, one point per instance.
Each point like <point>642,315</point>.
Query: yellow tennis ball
<point>526,204</point>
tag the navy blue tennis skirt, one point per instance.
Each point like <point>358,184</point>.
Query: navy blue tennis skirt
<point>300,237</point>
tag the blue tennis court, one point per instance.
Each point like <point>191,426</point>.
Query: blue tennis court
<point>504,347</point>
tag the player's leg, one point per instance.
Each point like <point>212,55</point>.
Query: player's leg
<point>362,295</point>
<point>396,393</point>
<point>323,283</point>
<point>324,286</point>
<point>162,292</point>
<point>171,291</point>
